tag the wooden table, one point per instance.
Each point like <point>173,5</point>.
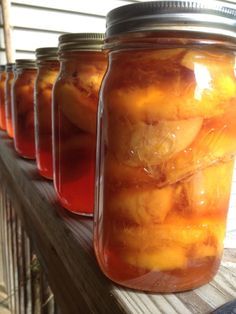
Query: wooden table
<point>63,244</point>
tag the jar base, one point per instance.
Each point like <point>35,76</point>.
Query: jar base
<point>25,157</point>
<point>164,290</point>
<point>75,212</point>
<point>47,177</point>
<point>178,280</point>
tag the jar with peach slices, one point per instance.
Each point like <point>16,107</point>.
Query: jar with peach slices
<point>48,68</point>
<point>83,65</point>
<point>167,141</point>
<point>23,108</point>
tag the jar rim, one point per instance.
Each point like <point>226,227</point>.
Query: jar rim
<point>25,64</point>
<point>10,67</point>
<point>81,42</point>
<point>212,16</point>
<point>46,53</point>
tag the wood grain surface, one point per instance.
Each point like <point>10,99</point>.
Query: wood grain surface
<point>63,243</point>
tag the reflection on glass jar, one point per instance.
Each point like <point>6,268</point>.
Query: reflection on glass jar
<point>167,137</point>
<point>8,97</point>
<point>2,97</point>
<point>23,108</point>
<point>48,68</point>
<point>74,120</point>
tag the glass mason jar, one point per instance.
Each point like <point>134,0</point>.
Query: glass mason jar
<point>167,136</point>
<point>23,107</point>
<point>74,119</point>
<point>10,67</point>
<point>48,68</point>
<point>2,97</point>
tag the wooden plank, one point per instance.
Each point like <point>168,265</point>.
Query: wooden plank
<point>27,274</point>
<point>36,284</point>
<point>14,256</point>
<point>63,242</point>
<point>54,243</point>
<point>5,245</point>
<point>47,296</point>
<point>10,257</point>
<point>21,278</point>
<point>2,247</point>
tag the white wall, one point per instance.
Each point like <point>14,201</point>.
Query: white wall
<point>38,23</point>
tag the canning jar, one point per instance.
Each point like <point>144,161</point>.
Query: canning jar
<point>167,136</point>
<point>23,108</point>
<point>10,67</point>
<point>48,68</point>
<point>2,97</point>
<point>74,119</point>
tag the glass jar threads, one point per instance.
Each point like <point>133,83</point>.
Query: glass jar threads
<point>74,119</point>
<point>48,68</point>
<point>23,108</point>
<point>10,67</point>
<point>2,97</point>
<point>167,138</point>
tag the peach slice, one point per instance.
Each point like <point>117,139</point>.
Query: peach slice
<point>44,111</point>
<point>205,91</point>
<point>214,61</point>
<point>216,141</point>
<point>49,78</point>
<point>141,68</point>
<point>163,54</point>
<point>214,73</point>
<point>90,78</point>
<point>154,103</point>
<point>164,259</point>
<point>2,85</point>
<point>208,191</point>
<point>145,145</point>
<point>117,173</point>
<point>80,108</point>
<point>207,250</point>
<point>176,235</point>
<point>171,246</point>
<point>148,57</point>
<point>140,206</point>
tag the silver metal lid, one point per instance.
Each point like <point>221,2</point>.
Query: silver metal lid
<point>47,53</point>
<point>2,68</point>
<point>10,67</point>
<point>81,41</point>
<point>202,16</point>
<point>25,64</point>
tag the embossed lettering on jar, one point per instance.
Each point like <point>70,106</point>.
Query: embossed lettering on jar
<point>48,68</point>
<point>23,108</point>
<point>74,120</point>
<point>167,138</point>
